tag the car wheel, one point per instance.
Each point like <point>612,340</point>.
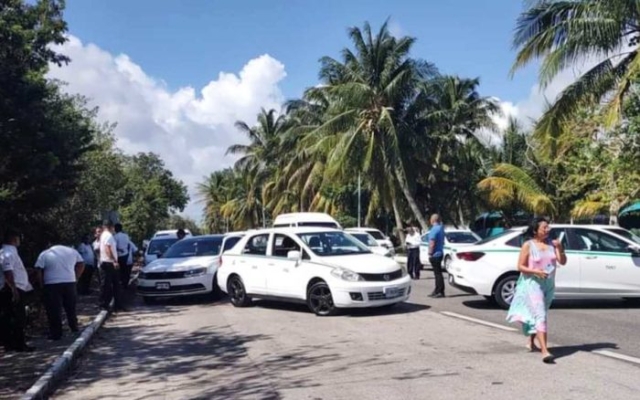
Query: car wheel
<point>149,300</point>
<point>505,290</point>
<point>237,292</point>
<point>320,300</point>
<point>216,292</point>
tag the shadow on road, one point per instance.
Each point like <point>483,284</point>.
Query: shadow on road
<point>566,351</point>
<point>564,304</point>
<point>400,308</point>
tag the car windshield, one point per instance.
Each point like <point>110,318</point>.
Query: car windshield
<point>461,237</point>
<point>366,239</point>
<point>327,244</point>
<point>376,234</point>
<point>195,248</point>
<point>159,246</point>
<point>625,234</point>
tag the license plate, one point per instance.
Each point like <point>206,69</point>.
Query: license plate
<point>163,286</point>
<point>391,292</point>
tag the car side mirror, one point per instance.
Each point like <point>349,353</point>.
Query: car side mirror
<point>294,255</point>
<point>634,250</point>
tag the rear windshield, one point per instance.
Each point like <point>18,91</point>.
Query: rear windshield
<point>492,238</point>
<point>461,237</point>
<point>376,235</point>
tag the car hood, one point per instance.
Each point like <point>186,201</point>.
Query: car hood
<point>379,250</point>
<point>363,263</point>
<point>179,264</point>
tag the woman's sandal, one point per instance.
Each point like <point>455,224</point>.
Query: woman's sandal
<point>548,359</point>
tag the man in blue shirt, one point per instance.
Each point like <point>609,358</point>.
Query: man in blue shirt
<point>436,254</point>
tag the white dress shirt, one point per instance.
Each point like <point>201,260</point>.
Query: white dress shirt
<point>10,261</point>
<point>107,240</point>
<point>59,264</point>
<point>413,240</point>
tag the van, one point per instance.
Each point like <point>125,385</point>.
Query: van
<point>305,219</point>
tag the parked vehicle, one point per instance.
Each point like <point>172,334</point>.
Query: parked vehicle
<point>454,239</point>
<point>325,268</point>
<point>171,233</point>
<point>603,261</point>
<point>157,247</point>
<point>187,267</point>
<point>305,219</point>
<point>382,239</point>
<point>371,243</point>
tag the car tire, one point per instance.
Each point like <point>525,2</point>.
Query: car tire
<point>320,300</point>
<point>238,293</point>
<point>505,290</point>
<point>216,292</point>
<point>149,300</point>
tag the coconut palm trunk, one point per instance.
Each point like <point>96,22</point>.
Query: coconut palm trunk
<point>404,186</point>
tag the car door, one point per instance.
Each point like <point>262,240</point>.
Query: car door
<point>568,275</point>
<point>424,249</point>
<point>284,276</point>
<point>608,268</point>
<point>253,264</point>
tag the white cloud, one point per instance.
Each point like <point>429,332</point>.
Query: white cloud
<point>190,130</point>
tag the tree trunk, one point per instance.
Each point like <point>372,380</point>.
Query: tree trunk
<point>396,214</point>
<point>461,214</point>
<point>404,186</point>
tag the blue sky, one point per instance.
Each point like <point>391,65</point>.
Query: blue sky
<point>176,74</point>
<point>188,42</point>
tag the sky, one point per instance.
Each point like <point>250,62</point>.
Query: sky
<point>176,74</point>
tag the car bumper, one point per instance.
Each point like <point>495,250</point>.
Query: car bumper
<point>176,287</point>
<point>471,278</point>
<point>371,294</point>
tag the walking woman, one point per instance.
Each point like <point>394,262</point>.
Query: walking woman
<point>535,288</point>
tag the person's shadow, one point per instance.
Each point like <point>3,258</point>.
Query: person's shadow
<point>566,351</point>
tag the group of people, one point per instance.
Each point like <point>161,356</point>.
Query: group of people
<point>61,273</point>
<point>436,253</point>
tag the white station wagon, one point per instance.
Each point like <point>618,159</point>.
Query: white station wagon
<point>325,268</point>
<point>602,262</point>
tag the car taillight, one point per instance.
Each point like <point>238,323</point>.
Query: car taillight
<point>469,255</point>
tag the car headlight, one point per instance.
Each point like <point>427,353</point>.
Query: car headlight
<point>195,272</point>
<point>403,268</point>
<point>388,254</point>
<point>346,275</point>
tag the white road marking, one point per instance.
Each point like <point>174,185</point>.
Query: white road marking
<point>618,356</point>
<point>478,321</point>
<point>605,353</point>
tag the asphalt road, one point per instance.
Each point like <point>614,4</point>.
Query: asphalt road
<point>571,322</point>
<point>191,349</point>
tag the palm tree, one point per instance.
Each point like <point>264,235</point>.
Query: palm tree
<point>368,90</point>
<point>563,32</point>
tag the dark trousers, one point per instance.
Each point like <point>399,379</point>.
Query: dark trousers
<point>413,262</point>
<point>84,282</point>
<point>59,296</point>
<point>436,263</point>
<point>125,271</point>
<point>13,320</point>
<point>110,286</point>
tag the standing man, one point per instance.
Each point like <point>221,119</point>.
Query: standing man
<point>14,285</point>
<point>123,245</point>
<point>60,267</point>
<point>413,252</point>
<point>88,256</point>
<point>436,254</point>
<point>110,268</point>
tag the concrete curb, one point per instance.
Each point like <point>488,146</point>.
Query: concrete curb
<point>45,385</point>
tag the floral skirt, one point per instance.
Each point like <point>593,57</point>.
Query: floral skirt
<point>531,303</point>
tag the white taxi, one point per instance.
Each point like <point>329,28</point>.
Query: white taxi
<point>454,239</point>
<point>188,267</point>
<point>325,268</point>
<point>602,262</point>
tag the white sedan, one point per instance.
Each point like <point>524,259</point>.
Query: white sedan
<point>454,239</point>
<point>188,267</point>
<point>371,243</point>
<point>382,239</point>
<point>325,268</point>
<point>602,262</point>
